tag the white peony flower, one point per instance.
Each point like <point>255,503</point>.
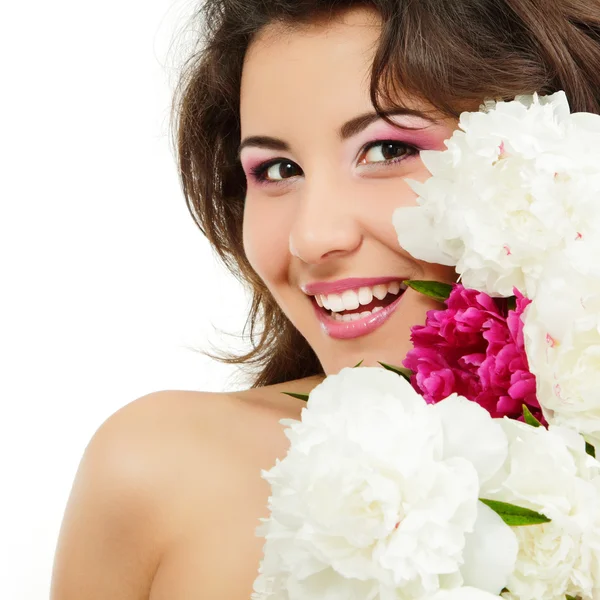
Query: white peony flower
<point>377,497</point>
<point>519,181</point>
<point>464,593</point>
<point>562,340</point>
<point>549,471</point>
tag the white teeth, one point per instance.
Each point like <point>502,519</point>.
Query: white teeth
<point>353,299</point>
<point>352,316</point>
<point>350,300</point>
<point>338,317</point>
<point>335,303</point>
<point>380,291</point>
<point>349,317</point>
<point>377,309</point>
<point>394,287</point>
<point>365,295</point>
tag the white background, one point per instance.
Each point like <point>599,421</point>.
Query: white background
<point>105,281</point>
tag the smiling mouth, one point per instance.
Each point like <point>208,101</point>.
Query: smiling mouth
<point>358,304</point>
<point>354,313</point>
<point>362,312</point>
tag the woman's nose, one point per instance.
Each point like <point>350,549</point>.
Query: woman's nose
<point>325,223</point>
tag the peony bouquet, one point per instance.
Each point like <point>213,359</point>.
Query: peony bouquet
<point>468,472</point>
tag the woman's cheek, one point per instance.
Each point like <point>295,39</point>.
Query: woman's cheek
<point>266,238</point>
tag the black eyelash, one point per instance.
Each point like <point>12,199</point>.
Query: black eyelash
<point>259,172</point>
<point>410,150</point>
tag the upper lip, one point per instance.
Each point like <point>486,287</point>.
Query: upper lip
<point>341,285</point>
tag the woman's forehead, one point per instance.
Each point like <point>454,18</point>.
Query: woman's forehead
<point>311,70</point>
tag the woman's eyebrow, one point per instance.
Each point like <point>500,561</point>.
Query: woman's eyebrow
<point>264,141</point>
<point>347,130</point>
<point>357,124</point>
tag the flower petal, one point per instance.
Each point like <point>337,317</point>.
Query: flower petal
<point>412,227</point>
<point>490,552</point>
<point>463,593</point>
<point>471,433</point>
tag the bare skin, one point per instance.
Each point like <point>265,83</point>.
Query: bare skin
<point>168,496</point>
<point>217,556</point>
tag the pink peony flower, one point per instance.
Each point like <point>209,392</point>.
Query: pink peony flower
<point>475,348</point>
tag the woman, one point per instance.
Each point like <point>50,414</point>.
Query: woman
<point>299,123</point>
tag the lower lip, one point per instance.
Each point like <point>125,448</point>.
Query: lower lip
<point>352,329</point>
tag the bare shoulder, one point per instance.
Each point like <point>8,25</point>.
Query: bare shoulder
<point>216,437</point>
<point>166,436</point>
<point>212,550</point>
<point>158,478</point>
<point>114,526</point>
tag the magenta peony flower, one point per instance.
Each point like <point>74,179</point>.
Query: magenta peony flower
<point>475,348</point>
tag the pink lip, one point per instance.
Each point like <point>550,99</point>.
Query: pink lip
<point>352,283</point>
<point>353,329</point>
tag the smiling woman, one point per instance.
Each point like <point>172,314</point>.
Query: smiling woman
<point>298,125</point>
<point>324,174</point>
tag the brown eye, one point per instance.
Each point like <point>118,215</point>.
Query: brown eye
<point>281,170</point>
<point>385,151</point>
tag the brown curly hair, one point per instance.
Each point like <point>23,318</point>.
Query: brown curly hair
<point>453,53</point>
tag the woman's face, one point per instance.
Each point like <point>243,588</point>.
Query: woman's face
<point>324,177</point>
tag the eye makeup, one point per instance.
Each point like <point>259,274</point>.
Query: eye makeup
<point>413,141</point>
<point>258,173</point>
<point>429,137</point>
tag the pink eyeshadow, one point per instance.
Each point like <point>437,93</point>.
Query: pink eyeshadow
<point>258,157</point>
<point>430,138</point>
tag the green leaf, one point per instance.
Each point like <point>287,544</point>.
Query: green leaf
<point>515,516</point>
<point>567,597</point>
<point>406,373</point>
<point>358,364</point>
<point>299,396</point>
<point>511,303</point>
<point>433,289</point>
<point>529,418</point>
<point>590,449</point>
